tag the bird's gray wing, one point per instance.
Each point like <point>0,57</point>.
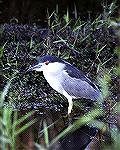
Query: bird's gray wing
<point>73,72</point>
<point>77,85</point>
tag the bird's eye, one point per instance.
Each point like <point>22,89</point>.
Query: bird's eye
<point>47,62</point>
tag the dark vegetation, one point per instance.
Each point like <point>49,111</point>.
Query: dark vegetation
<point>28,11</point>
<point>88,45</point>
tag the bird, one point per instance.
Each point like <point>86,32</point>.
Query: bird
<point>66,79</point>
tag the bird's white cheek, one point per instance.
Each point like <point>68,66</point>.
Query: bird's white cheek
<point>54,68</point>
<point>46,69</point>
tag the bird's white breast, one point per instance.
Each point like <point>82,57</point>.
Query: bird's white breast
<point>53,75</point>
<point>54,81</point>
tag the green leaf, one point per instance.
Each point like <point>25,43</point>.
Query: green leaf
<point>27,125</point>
<point>1,51</point>
<point>23,118</point>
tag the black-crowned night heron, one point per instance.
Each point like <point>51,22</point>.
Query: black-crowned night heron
<point>66,79</point>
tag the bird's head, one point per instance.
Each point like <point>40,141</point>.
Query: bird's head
<point>48,63</point>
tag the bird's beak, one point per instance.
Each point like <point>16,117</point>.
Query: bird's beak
<point>37,67</point>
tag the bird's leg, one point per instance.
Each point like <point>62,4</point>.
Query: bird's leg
<point>70,109</point>
<point>69,101</point>
<point>70,105</point>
